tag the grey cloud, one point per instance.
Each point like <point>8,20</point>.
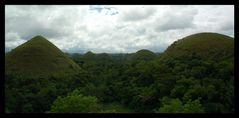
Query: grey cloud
<point>11,36</point>
<point>227,26</point>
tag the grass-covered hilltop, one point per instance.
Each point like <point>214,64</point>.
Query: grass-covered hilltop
<point>194,74</point>
<point>39,58</point>
<point>203,45</point>
<point>142,55</point>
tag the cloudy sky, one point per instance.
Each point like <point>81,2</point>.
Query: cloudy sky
<point>112,28</point>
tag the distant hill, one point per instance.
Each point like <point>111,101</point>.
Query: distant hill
<point>119,56</point>
<point>142,55</point>
<point>89,55</point>
<point>96,57</point>
<point>39,58</point>
<point>202,45</point>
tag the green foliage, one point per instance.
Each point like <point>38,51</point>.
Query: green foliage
<point>198,72</point>
<point>176,106</point>
<point>75,102</point>
<point>193,107</point>
<point>170,106</point>
<point>214,107</point>
<point>33,95</point>
<point>114,108</point>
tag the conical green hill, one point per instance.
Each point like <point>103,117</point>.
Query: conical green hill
<point>38,57</point>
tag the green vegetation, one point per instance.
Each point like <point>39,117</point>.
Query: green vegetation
<point>114,108</point>
<point>176,106</point>
<point>75,102</point>
<point>194,75</point>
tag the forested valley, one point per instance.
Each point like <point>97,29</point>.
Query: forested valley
<point>194,75</point>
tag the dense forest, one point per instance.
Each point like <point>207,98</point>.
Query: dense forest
<point>194,75</point>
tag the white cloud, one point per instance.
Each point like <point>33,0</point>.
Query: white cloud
<point>137,13</point>
<point>112,28</point>
<point>176,19</point>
